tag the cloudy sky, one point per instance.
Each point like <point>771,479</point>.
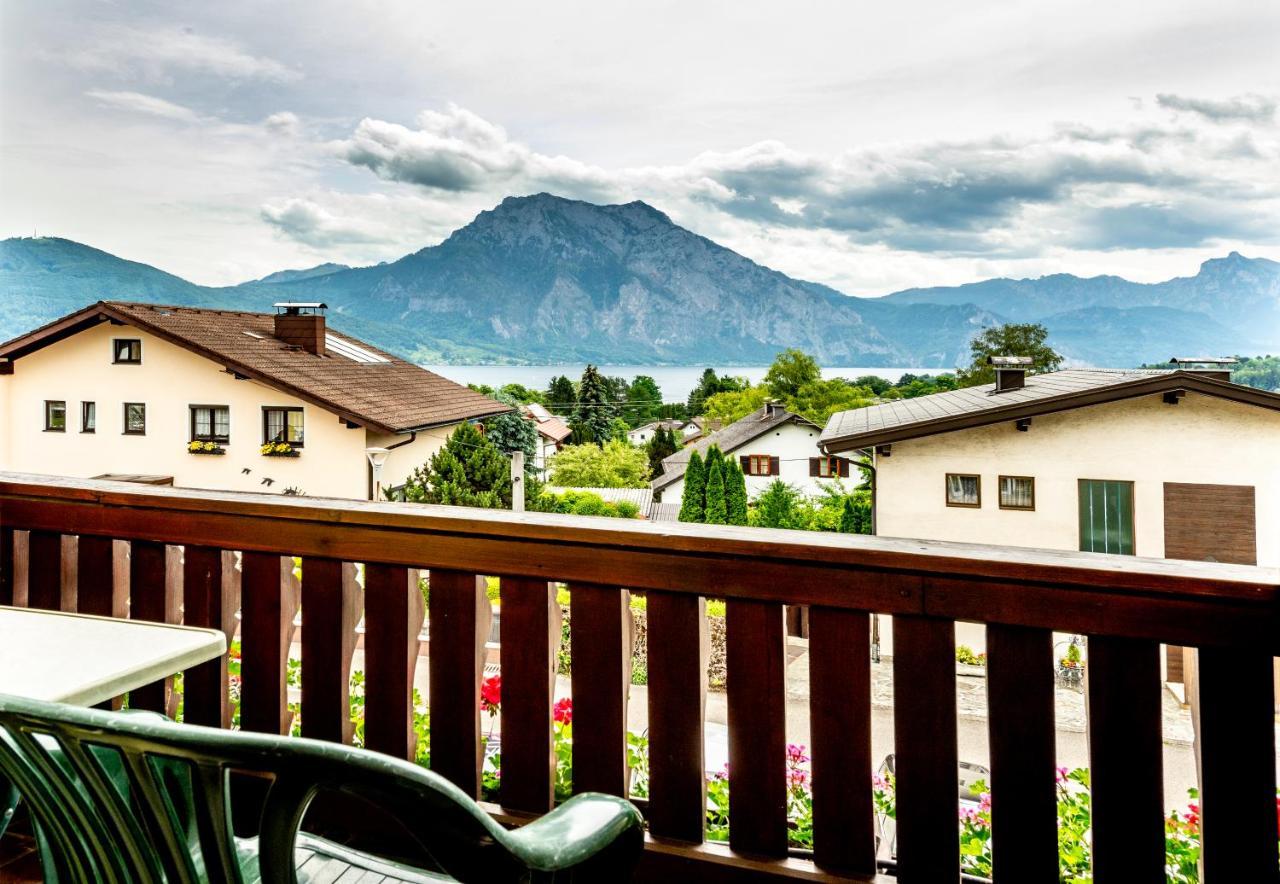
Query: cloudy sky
<point>868,146</point>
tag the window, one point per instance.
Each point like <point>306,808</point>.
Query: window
<point>1106,517</point>
<point>210,423</point>
<point>88,417</point>
<point>828,467</point>
<point>759,465</point>
<point>282,425</point>
<point>964,490</point>
<point>1017,493</point>
<point>135,419</point>
<point>55,416</point>
<point>127,351</point>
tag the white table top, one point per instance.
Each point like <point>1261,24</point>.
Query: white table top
<point>75,658</point>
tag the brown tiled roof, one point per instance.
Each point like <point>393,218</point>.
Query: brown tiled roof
<point>731,438</point>
<point>1043,394</point>
<point>389,394</point>
<point>548,424</point>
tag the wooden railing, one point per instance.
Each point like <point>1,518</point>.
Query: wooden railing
<point>1125,606</point>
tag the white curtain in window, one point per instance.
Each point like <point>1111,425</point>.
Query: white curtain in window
<point>962,489</point>
<point>1015,491</point>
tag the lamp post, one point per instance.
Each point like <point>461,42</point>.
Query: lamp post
<point>377,457</point>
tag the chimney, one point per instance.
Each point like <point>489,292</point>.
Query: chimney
<point>301,325</point>
<point>1011,372</point>
<point>1217,368</point>
<point>771,409</point>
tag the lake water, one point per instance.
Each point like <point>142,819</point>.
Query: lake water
<point>676,381</point>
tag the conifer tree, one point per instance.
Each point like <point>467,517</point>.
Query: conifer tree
<point>693,502</point>
<point>562,398</point>
<point>848,518</point>
<point>596,407</point>
<point>468,470</point>
<point>661,446</point>
<point>716,512</point>
<point>735,493</point>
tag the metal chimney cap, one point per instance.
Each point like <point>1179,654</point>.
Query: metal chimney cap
<point>1204,360</point>
<point>1010,361</point>
<point>297,307</point>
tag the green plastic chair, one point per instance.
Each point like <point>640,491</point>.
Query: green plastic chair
<point>134,797</point>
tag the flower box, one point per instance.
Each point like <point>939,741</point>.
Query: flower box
<point>279,449</point>
<point>205,448</point>
<point>971,669</point>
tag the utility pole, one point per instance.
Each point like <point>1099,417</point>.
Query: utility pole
<point>517,481</point>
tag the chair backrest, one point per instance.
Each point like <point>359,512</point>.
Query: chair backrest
<point>134,797</point>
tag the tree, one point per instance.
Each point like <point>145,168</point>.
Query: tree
<point>660,447</point>
<point>562,398</point>
<point>716,512</point>
<point>693,501</point>
<point>596,407</point>
<point>520,393</point>
<point>468,470</point>
<point>734,405</point>
<point>848,518</point>
<point>818,400</point>
<point>714,455</point>
<point>1011,339</point>
<point>780,506</point>
<point>513,431</point>
<point>709,385</point>
<point>613,465</point>
<point>791,370</point>
<point>735,494</point>
<point>618,429</point>
<point>644,400</point>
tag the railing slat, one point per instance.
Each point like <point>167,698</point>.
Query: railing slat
<point>44,570</point>
<point>840,742</point>
<point>392,622</point>
<point>8,551</point>
<point>1125,760</point>
<point>148,601</point>
<point>924,728</point>
<point>1020,698</point>
<point>206,699</point>
<point>460,617</point>
<point>600,635</point>
<point>1237,765</point>
<point>266,613</point>
<point>328,602</point>
<point>678,651</point>
<point>530,634</point>
<point>95,577</point>
<point>756,660</point>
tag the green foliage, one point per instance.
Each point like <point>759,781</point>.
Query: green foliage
<point>615,465</point>
<point>735,494</point>
<point>910,386</point>
<point>715,513</point>
<point>848,518</point>
<point>693,502</point>
<point>791,370</point>
<point>596,407</point>
<point>734,405</point>
<point>468,470</point>
<point>520,394</point>
<point>618,429</point>
<point>660,446</point>
<point>967,656</point>
<point>780,506</point>
<point>1262,372</point>
<point>1011,339</point>
<point>562,396</point>
<point>837,509</point>
<point>644,400</point>
<point>819,399</point>
<point>583,503</point>
<point>709,385</point>
<point>512,431</point>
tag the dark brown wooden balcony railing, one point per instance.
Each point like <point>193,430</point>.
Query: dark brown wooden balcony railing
<point>1125,606</point>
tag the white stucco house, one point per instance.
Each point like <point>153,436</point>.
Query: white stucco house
<point>129,390</point>
<point>1175,463</point>
<point>771,443</point>
<point>552,433</point>
<point>641,435</point>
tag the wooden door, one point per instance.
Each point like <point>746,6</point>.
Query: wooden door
<point>1207,523</point>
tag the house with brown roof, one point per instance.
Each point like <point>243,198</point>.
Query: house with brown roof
<point>552,433</point>
<point>221,399</point>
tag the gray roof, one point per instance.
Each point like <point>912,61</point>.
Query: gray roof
<point>1043,394</point>
<point>731,438</point>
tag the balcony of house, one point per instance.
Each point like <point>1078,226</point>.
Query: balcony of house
<point>373,624</point>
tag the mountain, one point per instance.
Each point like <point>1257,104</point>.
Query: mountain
<point>546,279</point>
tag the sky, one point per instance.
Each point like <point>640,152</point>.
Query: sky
<point>872,147</point>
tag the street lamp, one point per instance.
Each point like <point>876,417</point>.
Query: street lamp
<point>377,458</point>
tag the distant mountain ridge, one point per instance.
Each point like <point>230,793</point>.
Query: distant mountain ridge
<point>546,279</point>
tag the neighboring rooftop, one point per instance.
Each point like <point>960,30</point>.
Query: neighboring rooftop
<point>729,439</point>
<point>549,425</point>
<point>1042,394</point>
<point>355,380</point>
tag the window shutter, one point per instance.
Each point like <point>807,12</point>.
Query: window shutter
<point>843,466</point>
<point>814,465</point>
<point>745,461</point>
<point>774,466</point>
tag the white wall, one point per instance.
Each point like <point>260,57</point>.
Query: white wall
<point>170,378</point>
<point>793,444</point>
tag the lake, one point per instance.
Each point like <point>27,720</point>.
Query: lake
<point>676,381</point>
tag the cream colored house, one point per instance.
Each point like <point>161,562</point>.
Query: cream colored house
<point>129,390</point>
<point>1165,463</point>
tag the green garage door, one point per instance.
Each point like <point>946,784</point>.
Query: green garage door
<point>1106,516</point>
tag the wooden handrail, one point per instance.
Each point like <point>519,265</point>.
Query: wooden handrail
<point>1126,605</point>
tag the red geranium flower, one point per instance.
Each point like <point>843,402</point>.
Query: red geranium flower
<point>564,710</point>
<point>491,693</point>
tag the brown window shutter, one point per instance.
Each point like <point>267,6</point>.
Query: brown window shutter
<point>844,467</point>
<point>774,466</point>
<point>815,465</point>
<point>745,460</point>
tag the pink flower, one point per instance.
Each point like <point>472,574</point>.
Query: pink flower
<point>796,754</point>
<point>880,783</point>
<point>984,802</point>
<point>1061,776</point>
<point>491,693</point>
<point>564,710</point>
<point>797,778</point>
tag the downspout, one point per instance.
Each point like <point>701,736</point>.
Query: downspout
<point>413,435</point>
<point>870,466</point>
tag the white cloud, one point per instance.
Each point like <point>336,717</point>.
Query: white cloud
<point>156,52</point>
<point>306,222</point>
<point>138,103</point>
<point>1247,108</point>
<point>284,123</point>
